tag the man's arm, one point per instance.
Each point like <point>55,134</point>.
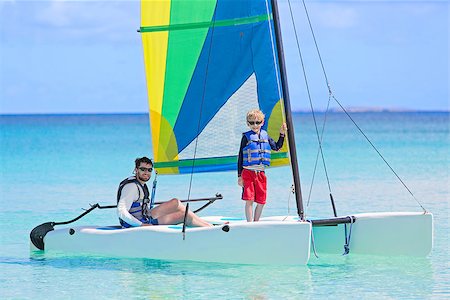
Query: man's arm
<point>129,194</point>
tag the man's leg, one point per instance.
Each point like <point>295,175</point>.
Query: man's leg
<point>194,220</point>
<point>172,212</point>
<point>178,217</point>
<point>166,208</point>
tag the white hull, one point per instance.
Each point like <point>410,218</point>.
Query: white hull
<point>271,242</point>
<point>386,234</point>
<point>382,234</point>
<point>274,240</point>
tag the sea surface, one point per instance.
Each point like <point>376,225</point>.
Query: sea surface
<point>53,166</point>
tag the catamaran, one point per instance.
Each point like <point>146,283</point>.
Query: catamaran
<point>207,63</point>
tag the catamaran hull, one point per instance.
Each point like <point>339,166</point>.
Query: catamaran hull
<point>385,234</point>
<point>272,242</point>
<point>381,234</point>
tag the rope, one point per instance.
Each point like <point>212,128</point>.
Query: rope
<point>343,109</point>
<point>184,221</point>
<point>155,182</point>
<point>319,136</point>
<point>274,54</point>
<point>312,240</point>
<point>292,191</point>
<point>318,152</point>
<point>379,153</point>
<point>347,239</point>
<point>203,100</point>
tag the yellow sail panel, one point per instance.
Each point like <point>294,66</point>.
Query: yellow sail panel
<point>277,117</point>
<point>155,13</point>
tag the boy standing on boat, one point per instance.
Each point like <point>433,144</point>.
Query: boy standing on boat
<point>133,202</point>
<point>254,157</point>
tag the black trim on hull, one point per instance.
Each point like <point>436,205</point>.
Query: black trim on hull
<point>333,221</point>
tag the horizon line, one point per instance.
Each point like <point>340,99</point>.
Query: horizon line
<point>350,110</point>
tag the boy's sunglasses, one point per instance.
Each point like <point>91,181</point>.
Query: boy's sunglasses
<point>254,122</point>
<point>146,169</point>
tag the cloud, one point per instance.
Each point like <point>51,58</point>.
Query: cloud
<point>337,16</point>
<point>57,13</point>
<point>82,20</point>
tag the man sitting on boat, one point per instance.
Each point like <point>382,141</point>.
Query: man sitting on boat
<point>134,207</point>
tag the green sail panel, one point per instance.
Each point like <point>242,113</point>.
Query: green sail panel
<point>219,62</point>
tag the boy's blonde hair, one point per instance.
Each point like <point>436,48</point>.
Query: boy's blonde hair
<point>256,114</point>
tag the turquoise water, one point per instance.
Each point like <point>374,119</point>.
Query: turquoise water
<point>52,166</point>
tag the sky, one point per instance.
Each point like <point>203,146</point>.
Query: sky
<point>86,56</point>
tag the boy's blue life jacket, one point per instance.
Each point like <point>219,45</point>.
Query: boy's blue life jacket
<point>257,151</point>
<point>139,208</point>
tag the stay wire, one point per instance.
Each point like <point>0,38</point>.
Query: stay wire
<point>319,139</point>
<point>345,111</point>
<point>203,100</point>
<point>318,152</point>
<point>379,153</point>
<point>317,48</point>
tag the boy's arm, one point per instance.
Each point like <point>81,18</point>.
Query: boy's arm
<point>241,156</point>
<point>277,146</point>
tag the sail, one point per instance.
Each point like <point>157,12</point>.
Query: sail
<point>207,63</point>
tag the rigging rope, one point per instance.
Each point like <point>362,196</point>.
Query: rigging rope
<point>379,153</point>
<point>291,191</point>
<point>203,100</point>
<point>341,106</point>
<point>319,137</point>
<point>318,152</point>
<point>313,244</point>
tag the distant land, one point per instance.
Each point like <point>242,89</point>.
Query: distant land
<point>350,109</point>
<point>363,109</point>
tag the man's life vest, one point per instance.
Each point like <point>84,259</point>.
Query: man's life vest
<point>139,209</point>
<point>257,151</point>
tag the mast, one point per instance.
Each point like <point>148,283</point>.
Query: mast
<point>287,106</point>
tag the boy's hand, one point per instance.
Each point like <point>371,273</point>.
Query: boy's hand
<point>283,129</point>
<point>240,182</point>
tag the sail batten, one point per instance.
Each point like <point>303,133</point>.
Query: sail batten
<point>232,22</point>
<point>208,63</point>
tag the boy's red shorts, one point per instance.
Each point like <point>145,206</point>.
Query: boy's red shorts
<point>255,186</point>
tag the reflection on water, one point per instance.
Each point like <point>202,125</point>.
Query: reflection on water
<point>375,276</point>
<point>158,279</point>
<point>326,276</point>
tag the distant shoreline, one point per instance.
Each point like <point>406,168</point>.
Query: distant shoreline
<point>301,111</point>
<point>371,110</point>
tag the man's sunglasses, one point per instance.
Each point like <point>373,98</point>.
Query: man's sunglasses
<point>254,122</point>
<point>146,169</point>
